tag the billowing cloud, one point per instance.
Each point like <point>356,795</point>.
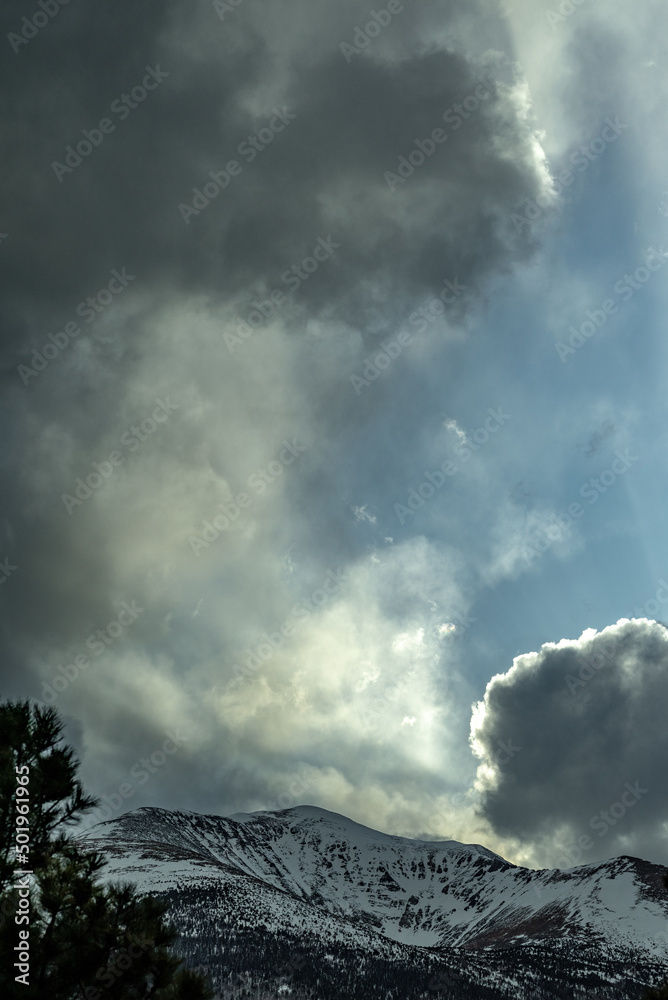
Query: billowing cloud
<point>573,747</point>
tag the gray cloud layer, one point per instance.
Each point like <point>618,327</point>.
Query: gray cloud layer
<point>323,175</point>
<point>336,700</point>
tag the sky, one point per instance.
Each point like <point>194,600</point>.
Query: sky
<point>334,367</point>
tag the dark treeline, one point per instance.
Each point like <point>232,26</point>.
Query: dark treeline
<point>256,963</point>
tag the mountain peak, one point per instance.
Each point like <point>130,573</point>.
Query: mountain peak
<point>307,870</point>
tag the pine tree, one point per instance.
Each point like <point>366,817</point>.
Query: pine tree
<point>87,940</point>
<point>31,742</point>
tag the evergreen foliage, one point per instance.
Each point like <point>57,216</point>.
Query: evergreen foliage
<point>86,940</point>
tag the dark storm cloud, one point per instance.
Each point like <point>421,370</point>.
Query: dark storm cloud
<point>161,335</point>
<point>573,744</point>
<point>118,209</point>
<point>324,172</point>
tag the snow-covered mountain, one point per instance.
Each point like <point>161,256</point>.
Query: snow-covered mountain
<point>369,914</point>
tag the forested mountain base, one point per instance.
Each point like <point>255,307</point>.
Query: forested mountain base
<point>262,964</point>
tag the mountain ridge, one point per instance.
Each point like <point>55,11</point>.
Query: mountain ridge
<point>307,873</point>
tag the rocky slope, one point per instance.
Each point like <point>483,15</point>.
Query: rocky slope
<point>309,902</point>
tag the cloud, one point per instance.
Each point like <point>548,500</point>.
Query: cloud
<point>565,735</point>
<point>322,175</point>
<point>356,691</point>
<point>362,514</point>
<point>599,437</point>
<point>332,699</point>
